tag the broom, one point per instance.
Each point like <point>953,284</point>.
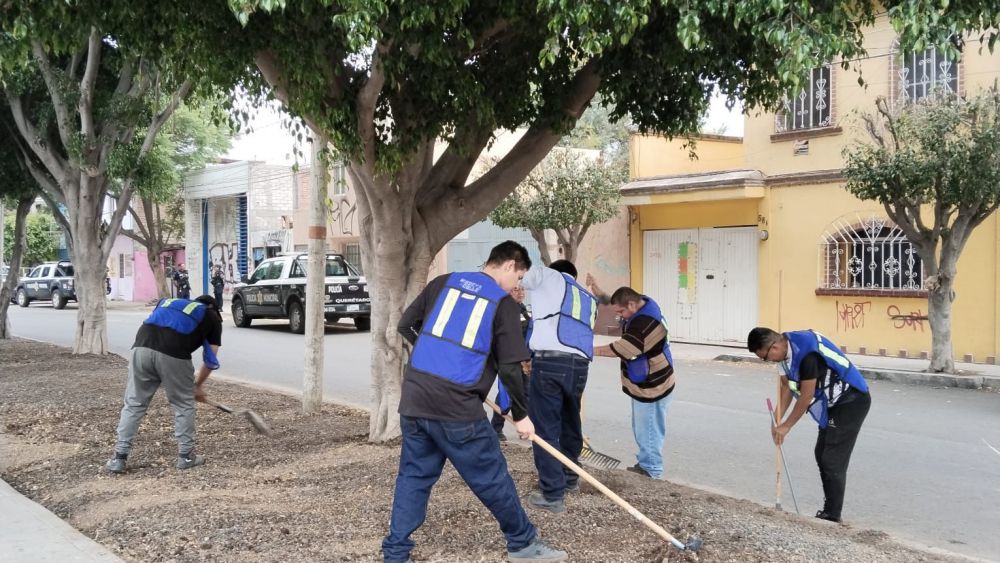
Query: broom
<point>258,422</point>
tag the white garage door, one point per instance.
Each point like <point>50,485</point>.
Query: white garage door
<point>705,280</point>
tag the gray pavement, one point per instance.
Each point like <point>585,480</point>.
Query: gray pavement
<point>31,534</point>
<point>926,468</point>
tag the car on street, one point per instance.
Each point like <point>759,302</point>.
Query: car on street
<point>277,290</point>
<point>51,281</point>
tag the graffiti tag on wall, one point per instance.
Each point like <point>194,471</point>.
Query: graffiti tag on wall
<point>851,316</point>
<point>224,254</point>
<point>342,213</point>
<point>913,319</point>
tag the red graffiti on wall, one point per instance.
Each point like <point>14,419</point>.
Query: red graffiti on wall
<point>852,315</point>
<point>914,320</point>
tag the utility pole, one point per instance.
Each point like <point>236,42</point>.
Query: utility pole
<point>315,313</point>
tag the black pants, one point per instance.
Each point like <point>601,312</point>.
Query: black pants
<point>834,446</point>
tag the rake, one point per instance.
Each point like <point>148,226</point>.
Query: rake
<point>594,458</point>
<point>258,422</point>
<point>694,542</point>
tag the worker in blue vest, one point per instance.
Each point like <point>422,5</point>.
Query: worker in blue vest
<point>503,399</point>
<point>465,330</point>
<point>562,347</point>
<point>162,355</point>
<point>838,399</point>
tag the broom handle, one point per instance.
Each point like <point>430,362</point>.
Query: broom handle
<point>597,484</point>
<point>219,406</point>
<point>777,450</point>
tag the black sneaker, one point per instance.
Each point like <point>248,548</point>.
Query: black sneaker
<point>189,460</point>
<point>823,515</point>
<point>538,500</point>
<point>501,436</point>
<point>638,469</point>
<point>537,550</point>
<point>573,487</point>
<point>116,464</point>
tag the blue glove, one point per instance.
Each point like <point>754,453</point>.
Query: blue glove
<point>208,357</point>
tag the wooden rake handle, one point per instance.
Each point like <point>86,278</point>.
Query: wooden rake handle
<point>596,484</point>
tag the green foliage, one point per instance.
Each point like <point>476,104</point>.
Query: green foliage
<point>42,234</point>
<point>189,140</point>
<point>944,150</point>
<point>567,190</point>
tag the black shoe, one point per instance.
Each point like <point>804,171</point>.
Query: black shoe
<point>501,436</point>
<point>638,469</point>
<point>823,515</point>
<point>573,487</point>
<point>538,500</point>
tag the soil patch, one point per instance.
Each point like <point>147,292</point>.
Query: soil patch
<point>316,490</point>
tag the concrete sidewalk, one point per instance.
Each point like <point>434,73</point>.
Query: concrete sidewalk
<point>29,534</point>
<point>899,370</point>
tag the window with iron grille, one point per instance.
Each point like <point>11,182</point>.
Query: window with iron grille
<point>352,253</point>
<point>920,73</point>
<point>810,108</point>
<point>868,253</point>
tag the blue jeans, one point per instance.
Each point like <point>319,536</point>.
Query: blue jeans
<point>474,450</point>
<point>554,407</point>
<point>649,426</point>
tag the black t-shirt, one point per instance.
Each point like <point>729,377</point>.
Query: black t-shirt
<point>837,391</point>
<point>433,397</point>
<point>173,343</point>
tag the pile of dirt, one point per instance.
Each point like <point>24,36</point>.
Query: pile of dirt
<point>316,490</point>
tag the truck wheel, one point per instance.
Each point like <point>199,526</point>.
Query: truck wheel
<point>58,300</point>
<point>22,298</point>
<point>363,323</point>
<point>296,318</point>
<point>240,316</point>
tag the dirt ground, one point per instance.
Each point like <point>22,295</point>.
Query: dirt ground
<point>318,491</point>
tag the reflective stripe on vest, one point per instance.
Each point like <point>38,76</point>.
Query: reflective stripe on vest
<point>460,337</point>
<point>577,316</point>
<point>805,342</point>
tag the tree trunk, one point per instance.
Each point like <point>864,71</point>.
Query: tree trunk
<point>312,382</point>
<point>18,249</point>
<point>154,252</point>
<point>89,263</point>
<point>543,247</point>
<point>396,255</point>
<point>941,293</point>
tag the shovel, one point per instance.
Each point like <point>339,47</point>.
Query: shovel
<point>694,542</point>
<point>258,422</point>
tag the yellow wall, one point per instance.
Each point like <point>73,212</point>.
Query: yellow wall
<point>656,156</point>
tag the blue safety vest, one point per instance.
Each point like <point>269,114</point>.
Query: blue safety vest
<point>805,342</point>
<point>457,337</point>
<point>577,315</point>
<point>638,367</point>
<point>183,316</point>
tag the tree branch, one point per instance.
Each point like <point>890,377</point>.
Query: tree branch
<point>365,105</point>
<point>53,163</point>
<point>55,93</point>
<point>87,84</point>
<point>454,209</point>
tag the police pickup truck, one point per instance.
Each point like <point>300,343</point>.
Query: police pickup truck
<point>277,290</point>
<point>51,281</point>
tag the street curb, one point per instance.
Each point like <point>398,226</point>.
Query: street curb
<point>984,382</point>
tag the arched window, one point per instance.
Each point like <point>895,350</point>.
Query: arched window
<point>917,74</point>
<point>868,253</point>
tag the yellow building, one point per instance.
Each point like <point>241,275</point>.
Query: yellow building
<point>760,231</point>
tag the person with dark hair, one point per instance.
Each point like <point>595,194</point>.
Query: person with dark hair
<point>465,330</point>
<point>562,347</point>
<point>812,366</point>
<point>162,355</point>
<point>497,421</point>
<point>647,371</point>
<point>182,280</point>
<point>218,284</point>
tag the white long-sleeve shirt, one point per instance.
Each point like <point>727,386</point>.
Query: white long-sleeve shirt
<point>546,289</point>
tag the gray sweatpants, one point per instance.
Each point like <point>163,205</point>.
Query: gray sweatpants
<point>146,371</point>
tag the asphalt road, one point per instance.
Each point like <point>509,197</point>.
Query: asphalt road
<point>924,470</point>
